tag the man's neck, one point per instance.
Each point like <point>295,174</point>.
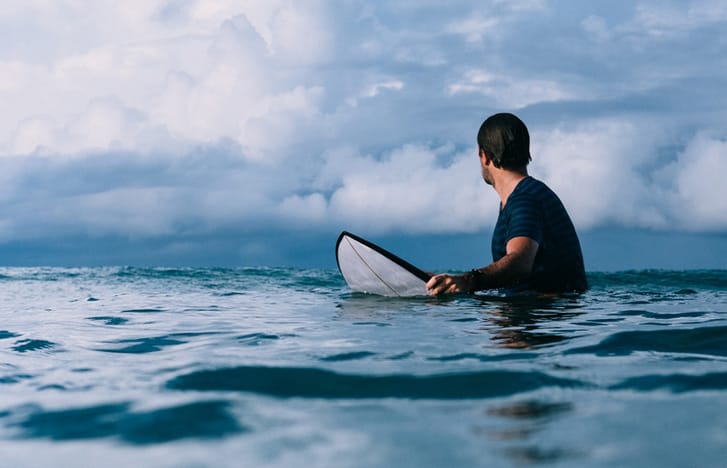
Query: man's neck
<point>505,183</point>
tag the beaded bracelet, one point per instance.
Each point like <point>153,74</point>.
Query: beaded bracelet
<point>476,279</point>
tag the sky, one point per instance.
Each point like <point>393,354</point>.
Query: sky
<point>245,133</point>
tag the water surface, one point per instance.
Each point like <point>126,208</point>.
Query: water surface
<point>286,367</point>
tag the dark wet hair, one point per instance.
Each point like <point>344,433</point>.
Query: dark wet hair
<point>506,140</point>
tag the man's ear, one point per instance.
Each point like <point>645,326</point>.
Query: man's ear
<point>484,157</point>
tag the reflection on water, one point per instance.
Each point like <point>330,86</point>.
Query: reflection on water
<point>533,454</point>
<point>353,306</point>
<point>529,417</point>
<point>530,410</point>
<point>525,323</point>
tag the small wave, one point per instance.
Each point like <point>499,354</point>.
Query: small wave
<point>310,277</point>
<point>161,273</point>
<point>679,282</point>
<point>401,356</point>
<point>677,383</point>
<point>287,382</point>
<point>352,356</point>
<point>152,344</point>
<point>4,334</point>
<point>231,293</point>
<point>655,315</point>
<point>57,387</point>
<point>144,345</point>
<point>24,346</point>
<point>11,379</point>
<point>110,320</point>
<point>704,340</point>
<point>47,273</point>
<point>205,419</point>
<point>148,310</point>
<point>484,357</point>
<point>255,339</point>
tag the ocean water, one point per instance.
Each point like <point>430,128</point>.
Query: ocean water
<point>287,367</point>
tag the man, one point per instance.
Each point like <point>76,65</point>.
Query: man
<point>535,247</point>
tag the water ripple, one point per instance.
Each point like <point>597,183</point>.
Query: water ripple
<point>352,356</point>
<point>204,419</point>
<point>323,375</point>
<point>484,357</point>
<point>677,383</point>
<point>145,310</point>
<point>318,383</point>
<point>704,340</point>
<point>110,320</point>
<point>256,339</point>
<point>151,344</point>
<point>23,346</point>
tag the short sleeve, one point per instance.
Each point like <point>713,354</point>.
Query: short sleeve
<point>526,219</point>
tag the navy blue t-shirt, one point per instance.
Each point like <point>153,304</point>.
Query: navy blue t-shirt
<point>533,210</point>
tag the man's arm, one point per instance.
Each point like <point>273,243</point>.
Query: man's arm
<point>515,265</point>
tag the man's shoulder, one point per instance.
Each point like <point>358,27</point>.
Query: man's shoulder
<point>532,185</point>
<point>531,189</point>
<point>527,191</point>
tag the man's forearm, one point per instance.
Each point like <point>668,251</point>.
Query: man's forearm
<point>515,265</point>
<point>506,271</point>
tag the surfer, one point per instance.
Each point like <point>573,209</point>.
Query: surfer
<point>535,247</point>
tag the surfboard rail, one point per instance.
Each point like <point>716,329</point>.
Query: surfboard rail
<point>368,268</point>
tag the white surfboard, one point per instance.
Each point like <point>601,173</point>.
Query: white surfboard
<point>368,268</point>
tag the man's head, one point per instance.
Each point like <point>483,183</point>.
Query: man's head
<point>506,141</point>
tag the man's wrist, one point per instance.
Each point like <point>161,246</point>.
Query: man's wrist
<point>476,280</point>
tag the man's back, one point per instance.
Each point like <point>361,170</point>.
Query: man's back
<point>534,211</point>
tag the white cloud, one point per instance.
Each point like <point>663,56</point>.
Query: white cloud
<point>596,28</point>
<point>474,29</point>
<point>498,15</point>
<point>506,92</point>
<point>412,190</point>
<point>149,118</point>
<point>667,19</point>
<point>304,209</point>
<point>376,88</point>
<point>698,196</point>
<point>596,169</point>
<point>34,134</point>
<point>612,173</point>
<point>201,78</point>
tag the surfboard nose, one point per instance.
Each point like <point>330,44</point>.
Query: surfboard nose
<point>368,268</point>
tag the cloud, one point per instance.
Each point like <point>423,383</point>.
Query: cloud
<point>411,189</point>
<point>595,169</point>
<point>698,196</point>
<point>474,29</point>
<point>193,117</point>
<point>506,93</point>
<point>208,75</point>
<point>675,18</point>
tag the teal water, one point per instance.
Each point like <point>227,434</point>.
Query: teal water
<point>286,367</point>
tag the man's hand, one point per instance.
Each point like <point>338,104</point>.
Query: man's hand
<point>515,265</point>
<point>447,284</point>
